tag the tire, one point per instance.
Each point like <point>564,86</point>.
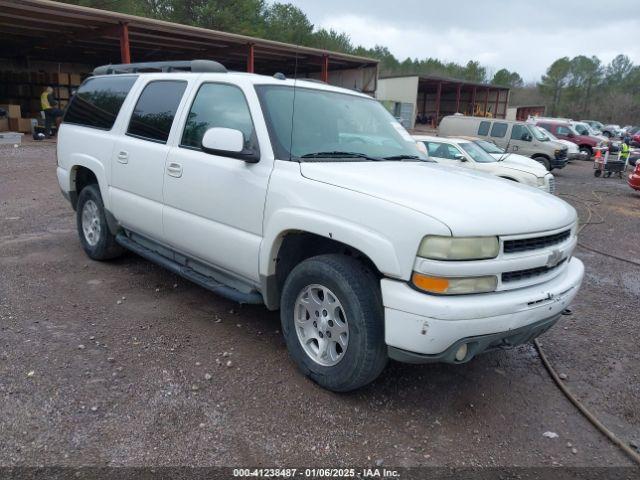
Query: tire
<point>597,173</point>
<point>95,237</point>
<point>588,151</point>
<point>544,161</point>
<point>356,291</point>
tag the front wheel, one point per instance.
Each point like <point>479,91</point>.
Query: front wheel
<point>333,322</point>
<point>96,239</point>
<point>544,162</point>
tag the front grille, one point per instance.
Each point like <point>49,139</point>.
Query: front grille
<point>536,243</point>
<point>562,154</point>
<point>528,273</point>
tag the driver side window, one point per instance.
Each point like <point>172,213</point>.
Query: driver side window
<point>442,150</point>
<point>218,105</point>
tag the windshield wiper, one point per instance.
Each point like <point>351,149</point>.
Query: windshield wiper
<point>401,157</point>
<point>339,154</point>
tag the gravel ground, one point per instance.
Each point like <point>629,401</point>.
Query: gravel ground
<point>123,363</point>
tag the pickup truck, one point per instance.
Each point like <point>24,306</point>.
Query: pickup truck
<point>313,200</point>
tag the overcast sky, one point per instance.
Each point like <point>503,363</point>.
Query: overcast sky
<point>525,36</point>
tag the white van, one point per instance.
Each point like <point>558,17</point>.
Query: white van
<point>514,137</point>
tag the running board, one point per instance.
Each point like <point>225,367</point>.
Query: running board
<point>204,281</point>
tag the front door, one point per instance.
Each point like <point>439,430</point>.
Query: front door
<point>213,205</point>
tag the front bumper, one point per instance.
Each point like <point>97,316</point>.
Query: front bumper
<point>634,181</point>
<point>431,325</point>
<point>559,162</point>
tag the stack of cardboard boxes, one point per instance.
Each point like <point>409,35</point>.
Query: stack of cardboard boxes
<point>20,96</point>
<point>14,121</point>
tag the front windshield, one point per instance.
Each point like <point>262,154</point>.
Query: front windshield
<point>319,125</point>
<point>539,134</point>
<point>489,147</point>
<point>549,135</point>
<point>477,153</point>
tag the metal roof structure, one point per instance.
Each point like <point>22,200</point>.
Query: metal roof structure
<point>47,30</point>
<point>449,81</point>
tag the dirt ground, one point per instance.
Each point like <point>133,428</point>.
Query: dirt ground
<point>123,363</point>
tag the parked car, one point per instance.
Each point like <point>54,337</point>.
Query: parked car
<point>515,137</point>
<point>611,131</point>
<point>573,152</point>
<point>484,156</point>
<point>586,130</point>
<point>369,250</point>
<point>597,126</point>
<point>634,178</point>
<point>635,139</point>
<point>564,130</point>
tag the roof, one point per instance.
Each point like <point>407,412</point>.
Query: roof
<point>62,32</point>
<point>447,80</point>
<point>432,138</point>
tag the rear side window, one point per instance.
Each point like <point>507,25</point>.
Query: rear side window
<point>499,129</point>
<point>156,108</point>
<point>98,101</point>
<point>483,129</point>
<point>218,105</point>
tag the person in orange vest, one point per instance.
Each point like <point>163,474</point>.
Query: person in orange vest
<point>52,114</point>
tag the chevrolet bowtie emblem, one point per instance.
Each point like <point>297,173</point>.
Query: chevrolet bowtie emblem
<point>554,258</point>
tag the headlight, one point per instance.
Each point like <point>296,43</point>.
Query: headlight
<point>454,286</point>
<point>459,248</point>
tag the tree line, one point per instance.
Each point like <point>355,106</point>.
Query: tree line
<point>579,87</point>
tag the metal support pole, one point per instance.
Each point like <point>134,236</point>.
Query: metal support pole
<point>250,57</point>
<point>495,110</point>
<point>486,101</point>
<point>473,101</point>
<point>325,68</point>
<point>438,95</point>
<point>458,98</point>
<point>125,50</point>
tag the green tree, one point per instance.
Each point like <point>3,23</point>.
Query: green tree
<point>506,78</point>
<point>554,81</point>
<point>585,75</point>
<point>332,40</point>
<point>287,23</point>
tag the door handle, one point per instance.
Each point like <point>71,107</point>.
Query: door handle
<point>123,157</point>
<point>174,170</point>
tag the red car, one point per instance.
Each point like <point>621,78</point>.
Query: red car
<point>564,131</point>
<point>634,178</point>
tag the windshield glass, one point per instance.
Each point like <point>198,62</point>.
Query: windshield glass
<point>538,134</point>
<point>489,147</point>
<point>332,126</point>
<point>477,153</point>
<point>549,135</point>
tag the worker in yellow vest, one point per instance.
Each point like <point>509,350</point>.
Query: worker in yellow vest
<point>52,114</point>
<point>624,150</point>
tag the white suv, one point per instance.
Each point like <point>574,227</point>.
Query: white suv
<point>313,200</point>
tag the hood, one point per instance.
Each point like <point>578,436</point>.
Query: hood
<point>520,163</point>
<point>468,202</point>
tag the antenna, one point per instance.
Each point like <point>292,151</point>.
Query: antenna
<point>293,107</point>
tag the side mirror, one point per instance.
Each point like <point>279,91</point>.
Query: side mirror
<point>460,157</point>
<point>228,142</point>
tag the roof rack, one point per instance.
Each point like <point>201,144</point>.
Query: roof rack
<point>195,66</point>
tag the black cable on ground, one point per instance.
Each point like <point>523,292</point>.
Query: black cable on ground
<point>588,415</point>
<point>635,456</point>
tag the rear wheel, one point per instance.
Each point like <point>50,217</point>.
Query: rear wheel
<point>586,151</point>
<point>96,239</point>
<point>544,162</point>
<point>333,322</point>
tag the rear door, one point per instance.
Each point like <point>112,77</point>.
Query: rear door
<point>498,135</point>
<point>139,156</point>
